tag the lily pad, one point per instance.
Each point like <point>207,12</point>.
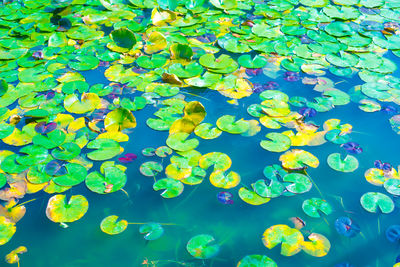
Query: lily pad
<point>279,142</point>
<point>109,225</point>
<point>290,238</point>
<point>202,246</point>
<point>297,159</point>
<point>375,201</point>
<point>178,141</point>
<point>7,230</point>
<point>318,246</point>
<point>256,261</point>
<point>348,164</point>
<point>172,188</point>
<point>300,183</point>
<point>151,230</point>
<point>252,197</point>
<point>61,211</point>
<point>313,207</point>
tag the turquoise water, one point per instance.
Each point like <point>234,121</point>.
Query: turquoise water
<point>237,227</point>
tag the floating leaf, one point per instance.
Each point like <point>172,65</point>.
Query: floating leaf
<point>290,238</point>
<point>172,188</point>
<point>375,201</point>
<point>151,230</point>
<point>279,142</point>
<point>150,168</point>
<point>112,180</point>
<point>296,159</point>
<point>109,225</point>
<point>256,260</point>
<point>348,164</point>
<point>119,119</point>
<point>202,246</point>
<point>318,246</point>
<point>124,38</point>
<point>7,230</point>
<point>219,179</point>
<point>105,149</point>
<point>313,207</point>
<point>252,197</point>
<point>178,141</point>
<point>300,183</point>
<point>13,257</point>
<point>58,210</point>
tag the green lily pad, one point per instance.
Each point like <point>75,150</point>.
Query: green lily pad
<point>105,149</point>
<point>58,210</point>
<point>219,160</point>
<point>112,180</point>
<point>7,230</point>
<point>375,201</point>
<point>66,151</point>
<point>313,207</point>
<point>289,238</point>
<point>179,142</point>
<point>279,142</point>
<point>3,180</point>
<point>202,246</point>
<point>155,61</point>
<point>300,183</point>
<point>172,188</point>
<point>228,124</point>
<point>348,164</point>
<point>251,197</point>
<point>51,140</point>
<point>124,38</point>
<point>256,261</point>
<point>205,131</point>
<point>392,186</point>
<point>252,63</point>
<point>152,231</point>
<point>76,174</point>
<point>273,189</point>
<point>109,225</point>
<point>296,159</point>
<point>119,119</point>
<point>150,168</point>
<point>218,178</point>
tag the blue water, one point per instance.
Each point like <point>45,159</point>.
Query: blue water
<point>237,227</point>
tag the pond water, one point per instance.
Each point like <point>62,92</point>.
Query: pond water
<point>304,72</point>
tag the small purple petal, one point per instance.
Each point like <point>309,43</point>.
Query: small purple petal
<point>37,55</point>
<point>307,112</point>
<point>352,147</point>
<point>253,72</point>
<point>271,85</point>
<point>225,197</point>
<point>128,158</point>
<point>291,76</point>
<point>390,110</point>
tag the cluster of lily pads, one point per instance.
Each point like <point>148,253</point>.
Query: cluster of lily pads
<point>55,124</point>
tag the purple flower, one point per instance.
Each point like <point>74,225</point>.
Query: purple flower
<point>253,72</point>
<point>352,147</point>
<point>225,197</point>
<point>37,55</point>
<point>390,110</point>
<point>129,157</point>
<point>291,76</point>
<point>382,166</point>
<point>307,112</point>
